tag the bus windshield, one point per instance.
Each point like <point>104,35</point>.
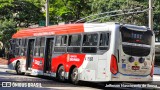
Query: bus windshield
<point>136,43</point>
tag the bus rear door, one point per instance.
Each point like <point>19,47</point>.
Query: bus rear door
<point>30,50</point>
<point>48,54</point>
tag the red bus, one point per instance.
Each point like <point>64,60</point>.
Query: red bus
<point>96,52</point>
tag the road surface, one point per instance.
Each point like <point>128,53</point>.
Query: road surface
<point>46,83</point>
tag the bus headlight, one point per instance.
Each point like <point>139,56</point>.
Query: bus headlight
<point>141,60</point>
<point>131,59</point>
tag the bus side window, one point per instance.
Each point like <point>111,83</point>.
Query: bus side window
<point>17,47</point>
<point>23,47</point>
<point>58,41</point>
<point>37,47</point>
<point>90,39</point>
<point>42,41</point>
<point>61,43</point>
<point>104,41</point>
<point>42,45</point>
<point>74,43</point>
<point>64,40</point>
<point>90,43</point>
<point>41,51</point>
<point>13,45</point>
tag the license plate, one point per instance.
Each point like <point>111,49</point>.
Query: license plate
<point>135,67</point>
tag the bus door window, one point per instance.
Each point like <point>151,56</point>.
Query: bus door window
<point>37,47</point>
<point>42,45</point>
<point>50,48</point>
<point>48,53</point>
<point>30,53</point>
<point>17,51</point>
<point>23,47</point>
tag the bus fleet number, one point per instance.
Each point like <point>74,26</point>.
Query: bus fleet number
<point>89,58</point>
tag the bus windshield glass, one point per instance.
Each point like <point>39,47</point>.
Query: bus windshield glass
<point>136,43</point>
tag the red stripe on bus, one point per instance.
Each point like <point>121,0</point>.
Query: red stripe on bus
<point>67,60</point>
<point>17,58</point>
<point>50,30</point>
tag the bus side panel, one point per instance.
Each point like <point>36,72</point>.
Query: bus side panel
<point>12,63</point>
<point>88,70</point>
<point>37,66</point>
<point>67,60</point>
<point>98,70</point>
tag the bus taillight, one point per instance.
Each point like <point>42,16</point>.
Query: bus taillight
<point>152,69</point>
<point>113,65</point>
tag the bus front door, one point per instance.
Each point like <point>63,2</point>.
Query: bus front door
<point>30,54</point>
<point>48,55</point>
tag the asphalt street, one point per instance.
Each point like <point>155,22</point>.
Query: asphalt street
<point>46,83</point>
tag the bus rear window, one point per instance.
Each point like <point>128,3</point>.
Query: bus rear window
<point>140,37</point>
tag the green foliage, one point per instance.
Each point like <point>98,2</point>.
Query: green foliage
<point>100,6</point>
<point>27,13</point>
<point>7,29</point>
<point>68,10</point>
<point>21,13</point>
<point>156,15</point>
<point>24,12</point>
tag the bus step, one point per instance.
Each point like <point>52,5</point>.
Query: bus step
<point>28,72</point>
<point>47,74</point>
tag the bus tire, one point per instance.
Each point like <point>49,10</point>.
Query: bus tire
<point>61,74</point>
<point>18,68</point>
<point>74,76</point>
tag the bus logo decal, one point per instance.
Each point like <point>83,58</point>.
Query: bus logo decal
<point>73,58</point>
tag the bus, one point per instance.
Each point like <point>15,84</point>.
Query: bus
<point>157,54</point>
<point>94,52</point>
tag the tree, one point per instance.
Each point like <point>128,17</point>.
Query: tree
<point>27,13</point>
<point>24,12</point>
<point>100,6</point>
<point>68,10</point>
<point>111,5</point>
<point>156,15</point>
<point>7,29</point>
<point>5,9</point>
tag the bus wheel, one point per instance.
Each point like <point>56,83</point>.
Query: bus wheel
<point>18,68</point>
<point>74,76</point>
<point>61,74</point>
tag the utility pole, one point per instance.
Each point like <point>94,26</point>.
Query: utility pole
<point>151,14</point>
<point>47,12</point>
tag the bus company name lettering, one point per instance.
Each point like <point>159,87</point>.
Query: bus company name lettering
<point>73,58</point>
<point>38,62</point>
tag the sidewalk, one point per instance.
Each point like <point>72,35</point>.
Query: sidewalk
<point>157,70</point>
<point>3,61</point>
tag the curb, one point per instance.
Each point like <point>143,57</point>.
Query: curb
<point>11,71</point>
<point>4,66</point>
